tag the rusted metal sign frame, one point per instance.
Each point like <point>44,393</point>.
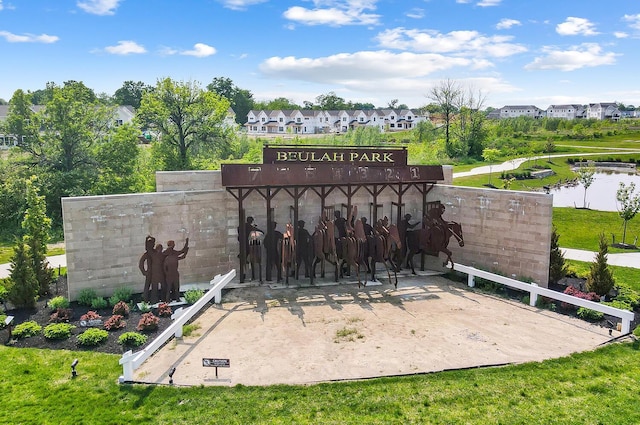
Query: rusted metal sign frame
<point>372,156</point>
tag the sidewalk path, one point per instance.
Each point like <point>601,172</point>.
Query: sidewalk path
<point>631,259</point>
<point>512,164</point>
<point>55,261</point>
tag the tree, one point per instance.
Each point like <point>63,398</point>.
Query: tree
<point>331,102</point>
<point>21,120</point>
<point>36,226</point>
<point>24,285</point>
<point>469,128</point>
<point>131,93</point>
<point>600,279</point>
<point>446,95</point>
<point>557,267</point>
<point>277,103</point>
<point>586,177</point>
<point>241,100</point>
<point>186,118</point>
<point>118,159</point>
<point>628,204</point>
<point>490,155</point>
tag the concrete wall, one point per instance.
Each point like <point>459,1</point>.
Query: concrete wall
<point>504,231</point>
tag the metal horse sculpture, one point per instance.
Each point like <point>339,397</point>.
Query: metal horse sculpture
<point>324,247</point>
<point>351,245</point>
<point>254,252</point>
<point>432,239</point>
<point>384,248</point>
<point>288,251</point>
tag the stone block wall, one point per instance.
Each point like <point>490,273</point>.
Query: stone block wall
<point>504,231</point>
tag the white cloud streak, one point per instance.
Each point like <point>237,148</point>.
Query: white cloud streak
<point>505,24</point>
<point>464,43</point>
<point>335,13</point>
<point>28,38</point>
<point>99,7</point>
<point>576,26</point>
<point>200,50</point>
<point>240,4</point>
<point>125,47</point>
<point>586,55</point>
<point>634,21</point>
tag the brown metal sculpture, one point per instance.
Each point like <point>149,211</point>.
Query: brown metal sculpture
<point>254,253</point>
<point>324,248</point>
<point>273,245</point>
<point>433,237</point>
<point>384,248</point>
<point>144,264</point>
<point>304,249</point>
<point>350,246</point>
<point>288,251</point>
<point>172,277</point>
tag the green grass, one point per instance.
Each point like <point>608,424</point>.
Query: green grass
<point>626,276</point>
<point>585,388</point>
<point>580,229</point>
<point>6,251</point>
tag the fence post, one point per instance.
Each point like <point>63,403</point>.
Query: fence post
<point>533,295</point>
<point>471,280</point>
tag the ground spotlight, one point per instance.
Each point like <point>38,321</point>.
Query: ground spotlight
<point>74,373</point>
<point>171,372</point>
<point>610,332</point>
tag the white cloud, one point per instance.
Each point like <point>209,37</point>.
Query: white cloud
<point>200,50</point>
<point>28,38</point>
<point>125,47</point>
<point>335,13</point>
<point>467,43</point>
<point>99,7</point>
<point>1,6</point>
<point>576,26</point>
<point>416,13</point>
<point>620,34</point>
<point>349,68</point>
<point>488,3</point>
<point>634,20</point>
<point>505,24</point>
<point>583,56</point>
<point>240,4</point>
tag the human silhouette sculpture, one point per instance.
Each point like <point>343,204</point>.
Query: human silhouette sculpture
<point>272,242</point>
<point>405,226</point>
<point>172,277</point>
<point>145,266</point>
<point>368,229</point>
<point>340,224</point>
<point>304,248</point>
<point>158,283</point>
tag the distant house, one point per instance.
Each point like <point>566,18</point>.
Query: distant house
<point>603,111</point>
<point>515,111</point>
<point>304,121</point>
<point>567,112</point>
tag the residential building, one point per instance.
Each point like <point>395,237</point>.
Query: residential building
<point>304,121</point>
<point>603,111</point>
<point>515,111</point>
<point>567,112</point>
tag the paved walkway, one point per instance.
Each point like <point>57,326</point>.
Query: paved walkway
<point>55,261</point>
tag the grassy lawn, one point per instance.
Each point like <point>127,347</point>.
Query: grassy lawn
<point>597,387</point>
<point>6,251</point>
<point>626,276</point>
<point>580,229</point>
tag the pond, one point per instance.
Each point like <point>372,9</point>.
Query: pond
<point>601,195</point>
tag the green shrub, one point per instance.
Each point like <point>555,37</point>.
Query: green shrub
<point>144,307</point>
<point>121,294</point>
<point>92,337</point>
<point>86,296</point>
<point>4,289</point>
<point>58,331</point>
<point>26,329</point>
<point>636,331</point>
<point>132,339</point>
<point>99,303</point>
<point>628,296</point>
<point>3,317</point>
<point>58,302</point>
<point>622,305</point>
<point>590,315</point>
<point>193,295</point>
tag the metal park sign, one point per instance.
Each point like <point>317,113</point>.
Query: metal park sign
<point>308,166</point>
<point>378,157</point>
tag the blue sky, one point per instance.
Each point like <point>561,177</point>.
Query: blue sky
<point>513,52</point>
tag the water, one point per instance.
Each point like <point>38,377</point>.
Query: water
<point>601,195</point>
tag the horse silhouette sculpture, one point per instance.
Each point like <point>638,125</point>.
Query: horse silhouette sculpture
<point>433,238</point>
<point>384,247</point>
<point>288,251</point>
<point>324,248</point>
<point>254,253</point>
<point>350,252</point>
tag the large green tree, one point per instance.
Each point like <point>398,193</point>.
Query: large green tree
<point>186,118</point>
<point>446,95</point>
<point>131,93</point>
<point>241,100</point>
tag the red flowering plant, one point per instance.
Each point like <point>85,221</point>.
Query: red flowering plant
<point>164,310</point>
<point>148,322</point>
<point>90,315</point>
<point>589,296</point>
<point>121,308</point>
<point>115,322</point>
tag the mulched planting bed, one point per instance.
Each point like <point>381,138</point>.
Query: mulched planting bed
<point>41,314</point>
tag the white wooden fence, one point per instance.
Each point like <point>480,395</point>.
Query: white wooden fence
<point>535,290</point>
<point>130,361</point>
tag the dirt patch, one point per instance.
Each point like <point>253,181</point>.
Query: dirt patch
<point>279,335</point>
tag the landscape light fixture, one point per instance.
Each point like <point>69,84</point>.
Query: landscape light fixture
<point>610,332</point>
<point>171,372</point>
<point>74,373</point>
